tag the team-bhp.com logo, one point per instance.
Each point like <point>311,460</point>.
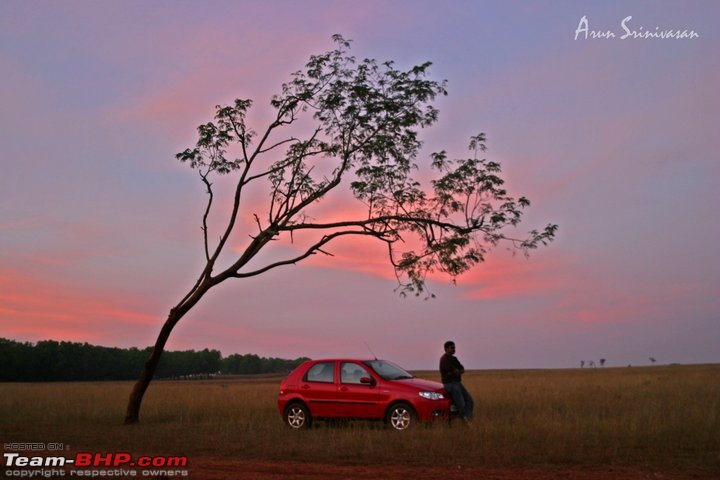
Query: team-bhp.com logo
<point>86,464</point>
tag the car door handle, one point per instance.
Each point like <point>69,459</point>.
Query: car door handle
<point>305,386</point>
<point>343,389</point>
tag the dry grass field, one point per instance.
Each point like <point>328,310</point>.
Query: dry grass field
<point>655,421</point>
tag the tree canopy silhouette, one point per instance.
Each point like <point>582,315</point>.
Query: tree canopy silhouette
<point>344,123</point>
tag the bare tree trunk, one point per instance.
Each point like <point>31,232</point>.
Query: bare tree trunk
<point>132,414</point>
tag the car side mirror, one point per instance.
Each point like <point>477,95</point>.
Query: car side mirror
<point>368,381</point>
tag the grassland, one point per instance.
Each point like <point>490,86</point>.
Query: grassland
<point>658,418</point>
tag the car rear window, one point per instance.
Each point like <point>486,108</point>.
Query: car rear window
<point>321,372</point>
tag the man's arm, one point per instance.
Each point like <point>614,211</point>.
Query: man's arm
<point>446,367</point>
<point>460,367</point>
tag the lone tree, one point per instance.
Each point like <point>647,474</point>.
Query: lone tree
<point>343,123</point>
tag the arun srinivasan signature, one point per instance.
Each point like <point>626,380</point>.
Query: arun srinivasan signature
<point>628,31</point>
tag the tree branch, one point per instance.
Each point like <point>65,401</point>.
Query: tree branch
<point>282,142</point>
<point>317,247</point>
<point>208,185</point>
<point>384,219</point>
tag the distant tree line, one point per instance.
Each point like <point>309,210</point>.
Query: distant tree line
<point>50,360</point>
<point>591,363</point>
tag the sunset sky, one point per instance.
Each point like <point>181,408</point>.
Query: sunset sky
<point>615,140</point>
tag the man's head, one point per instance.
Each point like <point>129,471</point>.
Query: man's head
<point>450,347</point>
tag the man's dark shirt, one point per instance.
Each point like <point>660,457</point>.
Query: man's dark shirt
<point>450,368</point>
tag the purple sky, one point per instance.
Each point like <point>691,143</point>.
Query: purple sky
<point>616,140</point>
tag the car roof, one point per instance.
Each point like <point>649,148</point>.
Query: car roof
<point>346,359</point>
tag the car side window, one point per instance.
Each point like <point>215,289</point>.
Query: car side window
<point>321,372</point>
<point>352,373</point>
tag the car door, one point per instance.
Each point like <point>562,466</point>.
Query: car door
<point>356,397</point>
<point>320,389</point>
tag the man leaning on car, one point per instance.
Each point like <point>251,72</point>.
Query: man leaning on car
<point>451,371</point>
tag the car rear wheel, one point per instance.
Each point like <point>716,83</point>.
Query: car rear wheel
<point>297,416</point>
<point>401,416</point>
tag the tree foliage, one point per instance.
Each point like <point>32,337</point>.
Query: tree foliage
<point>353,124</point>
<point>364,119</point>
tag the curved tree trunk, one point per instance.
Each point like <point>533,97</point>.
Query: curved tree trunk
<point>132,415</point>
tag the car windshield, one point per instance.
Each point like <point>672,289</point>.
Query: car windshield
<point>388,370</point>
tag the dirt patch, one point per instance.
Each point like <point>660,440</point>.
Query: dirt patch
<point>207,468</point>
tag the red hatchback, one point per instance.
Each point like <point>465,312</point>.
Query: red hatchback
<point>359,389</point>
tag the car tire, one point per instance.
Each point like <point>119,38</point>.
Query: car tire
<point>297,416</point>
<point>400,416</point>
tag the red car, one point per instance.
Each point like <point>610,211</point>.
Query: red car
<point>359,389</point>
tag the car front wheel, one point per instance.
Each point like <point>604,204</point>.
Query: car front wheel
<point>297,416</point>
<point>401,416</point>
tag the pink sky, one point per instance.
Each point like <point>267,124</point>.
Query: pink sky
<point>614,140</point>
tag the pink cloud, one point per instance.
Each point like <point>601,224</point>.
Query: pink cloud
<point>36,309</point>
<point>506,276</point>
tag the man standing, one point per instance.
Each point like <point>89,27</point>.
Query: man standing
<point>451,371</point>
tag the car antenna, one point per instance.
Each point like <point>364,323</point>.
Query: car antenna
<point>371,352</point>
